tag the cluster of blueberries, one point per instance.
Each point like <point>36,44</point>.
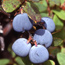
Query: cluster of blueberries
<point>43,37</point>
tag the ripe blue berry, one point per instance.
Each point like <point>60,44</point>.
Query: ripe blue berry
<point>38,54</point>
<point>43,36</point>
<point>49,24</point>
<point>21,23</point>
<point>20,47</point>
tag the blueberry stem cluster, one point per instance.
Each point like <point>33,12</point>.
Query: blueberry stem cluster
<point>30,38</point>
<point>41,40</point>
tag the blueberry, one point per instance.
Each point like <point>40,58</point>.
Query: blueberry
<point>38,54</point>
<point>49,24</point>
<point>43,36</point>
<point>20,47</point>
<point>21,23</point>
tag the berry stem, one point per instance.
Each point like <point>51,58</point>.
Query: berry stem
<point>39,23</point>
<point>29,39</point>
<point>44,27</point>
<point>21,10</point>
<point>34,27</point>
<point>35,42</point>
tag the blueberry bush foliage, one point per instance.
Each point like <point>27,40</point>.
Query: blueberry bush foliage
<point>35,9</point>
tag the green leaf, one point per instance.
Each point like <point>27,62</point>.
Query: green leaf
<point>40,6</point>
<point>57,41</point>
<point>13,54</point>
<point>4,61</point>
<point>44,15</point>
<point>58,23</point>
<point>62,1</point>
<point>60,14</point>
<point>10,6</point>
<point>19,61</point>
<point>1,8</point>
<point>49,62</point>
<point>32,14</point>
<point>34,0</point>
<point>23,61</point>
<point>11,51</point>
<point>54,2</point>
<point>53,50</point>
<point>63,49</point>
<point>27,61</point>
<point>60,34</point>
<point>14,64</point>
<point>61,58</point>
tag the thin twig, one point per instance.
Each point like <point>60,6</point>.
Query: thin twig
<point>48,8</point>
